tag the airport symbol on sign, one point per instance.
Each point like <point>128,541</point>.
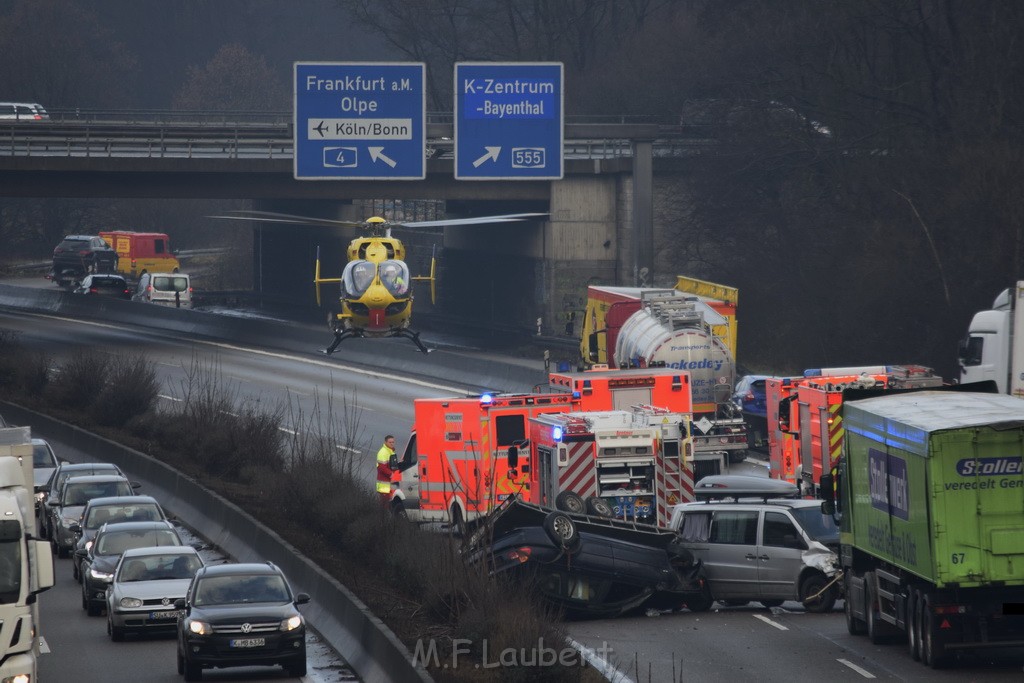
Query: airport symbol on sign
<point>359,120</point>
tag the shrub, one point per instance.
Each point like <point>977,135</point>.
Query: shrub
<point>130,390</point>
<point>81,378</point>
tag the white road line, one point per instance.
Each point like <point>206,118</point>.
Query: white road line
<point>863,672</point>
<point>44,647</point>
<point>600,663</point>
<point>270,354</point>
<point>770,622</point>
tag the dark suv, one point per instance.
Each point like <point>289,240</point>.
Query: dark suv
<point>78,255</point>
<point>241,615</point>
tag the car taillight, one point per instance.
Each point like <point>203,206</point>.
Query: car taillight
<point>83,252</point>
<point>93,290</point>
<point>149,288</point>
<point>37,117</point>
<point>520,555</point>
<point>749,396</point>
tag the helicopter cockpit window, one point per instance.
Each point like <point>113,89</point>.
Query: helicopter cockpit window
<point>357,278</point>
<point>394,275</point>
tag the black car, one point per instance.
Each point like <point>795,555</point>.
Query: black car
<point>100,511</point>
<point>241,615</point>
<point>48,520</point>
<point>98,560</point>
<point>105,284</point>
<point>588,566</point>
<point>78,255</point>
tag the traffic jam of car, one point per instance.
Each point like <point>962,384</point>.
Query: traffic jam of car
<point>140,570</point>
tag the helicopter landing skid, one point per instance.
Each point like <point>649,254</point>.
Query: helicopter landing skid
<point>415,337</point>
<point>340,336</point>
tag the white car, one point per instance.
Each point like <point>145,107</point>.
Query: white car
<point>146,583</point>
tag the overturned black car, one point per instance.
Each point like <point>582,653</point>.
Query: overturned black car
<point>587,566</point>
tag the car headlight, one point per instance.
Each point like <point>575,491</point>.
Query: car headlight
<point>130,603</point>
<point>40,496</point>
<point>101,576</point>
<point>199,628</point>
<point>291,623</point>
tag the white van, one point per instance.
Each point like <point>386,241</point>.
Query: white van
<point>169,289</point>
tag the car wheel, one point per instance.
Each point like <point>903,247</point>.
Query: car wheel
<point>567,501</point>
<point>771,603</point>
<point>116,633</point>
<point>735,603</point>
<point>296,668</point>
<point>562,530</point>
<point>61,551</point>
<point>701,602</point>
<point>398,510</point>
<point>192,672</point>
<point>599,506</point>
<point>813,585</point>
<point>458,523</point>
<point>92,609</point>
<point>181,662</point>
<point>75,571</point>
<point>85,597</point>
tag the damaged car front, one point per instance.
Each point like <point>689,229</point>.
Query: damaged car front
<point>586,566</point>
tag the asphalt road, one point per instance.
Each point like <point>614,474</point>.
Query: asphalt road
<point>726,644</point>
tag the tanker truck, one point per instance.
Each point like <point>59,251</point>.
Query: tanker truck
<point>670,329</point>
<point>932,529</point>
<point>994,346</point>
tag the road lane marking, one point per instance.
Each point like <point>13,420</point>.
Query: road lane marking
<point>863,672</point>
<point>270,354</point>
<point>44,647</point>
<point>602,665</point>
<point>770,622</point>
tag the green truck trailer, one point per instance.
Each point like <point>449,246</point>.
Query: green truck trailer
<point>930,491</point>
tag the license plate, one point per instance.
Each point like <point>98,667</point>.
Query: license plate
<point>169,614</point>
<point>249,642</point>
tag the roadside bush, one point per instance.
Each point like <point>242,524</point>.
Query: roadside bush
<point>80,380</point>
<point>130,390</point>
<point>22,370</point>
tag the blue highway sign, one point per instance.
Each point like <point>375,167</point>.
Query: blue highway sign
<point>360,120</point>
<point>509,122</point>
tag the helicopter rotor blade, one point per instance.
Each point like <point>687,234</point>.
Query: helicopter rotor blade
<point>478,220</point>
<point>272,217</point>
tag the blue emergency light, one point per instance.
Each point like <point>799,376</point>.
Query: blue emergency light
<point>556,433</point>
<point>486,399</point>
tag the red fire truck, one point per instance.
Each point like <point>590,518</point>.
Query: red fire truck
<point>634,464</point>
<point>715,440</point>
<point>455,464</point>
<point>805,423</point>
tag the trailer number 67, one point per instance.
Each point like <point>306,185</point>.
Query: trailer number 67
<point>957,558</point>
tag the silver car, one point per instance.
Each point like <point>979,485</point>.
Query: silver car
<point>767,550</point>
<point>147,581</point>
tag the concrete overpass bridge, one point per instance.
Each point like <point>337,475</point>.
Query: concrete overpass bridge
<point>601,214</point>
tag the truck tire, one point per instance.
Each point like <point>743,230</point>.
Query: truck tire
<point>879,632</point>
<point>933,650</point>
<point>736,457</point>
<point>599,507</point>
<point>855,626</point>
<point>813,584</point>
<point>562,530</point>
<point>567,501</point>
<point>914,624</point>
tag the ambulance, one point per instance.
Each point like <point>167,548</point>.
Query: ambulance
<point>455,465</point>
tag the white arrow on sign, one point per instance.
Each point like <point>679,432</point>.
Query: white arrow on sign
<point>492,154</point>
<point>378,153</point>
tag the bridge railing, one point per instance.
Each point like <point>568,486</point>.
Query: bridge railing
<point>268,135</point>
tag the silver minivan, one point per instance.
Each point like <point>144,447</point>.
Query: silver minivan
<point>764,550</point>
<point>169,289</point>
<point>22,111</point>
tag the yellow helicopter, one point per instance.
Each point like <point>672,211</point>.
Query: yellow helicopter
<point>376,287</point>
